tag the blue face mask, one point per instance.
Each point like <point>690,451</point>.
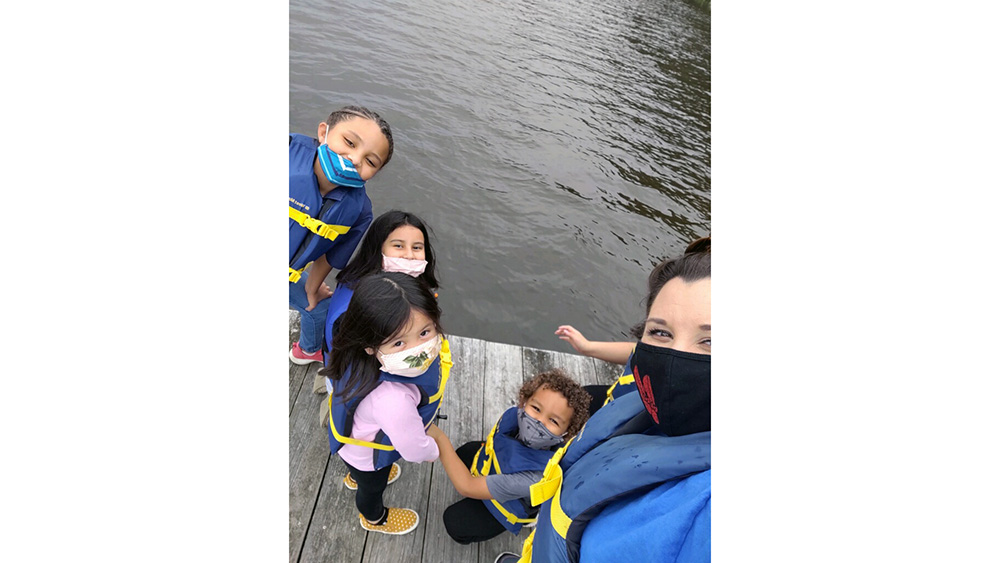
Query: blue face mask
<point>534,434</point>
<point>338,169</point>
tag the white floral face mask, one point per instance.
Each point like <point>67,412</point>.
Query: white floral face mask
<point>411,362</point>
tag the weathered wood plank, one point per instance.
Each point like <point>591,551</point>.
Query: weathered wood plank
<point>308,454</point>
<point>334,534</point>
<point>296,378</point>
<point>580,368</point>
<point>463,403</point>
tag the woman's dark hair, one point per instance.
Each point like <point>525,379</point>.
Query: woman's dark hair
<point>347,112</point>
<point>558,381</point>
<point>368,260</point>
<point>379,310</point>
<point>694,265</point>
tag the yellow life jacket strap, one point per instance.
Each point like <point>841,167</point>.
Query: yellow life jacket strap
<point>315,225</point>
<point>551,479</point>
<point>509,516</point>
<point>445,371</point>
<point>526,548</point>
<point>348,439</point>
<point>294,275</point>
<point>488,448</point>
<point>560,522</point>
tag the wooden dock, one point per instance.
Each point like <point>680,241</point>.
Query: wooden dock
<point>322,519</point>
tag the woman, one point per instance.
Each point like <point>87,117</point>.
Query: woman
<point>636,483</point>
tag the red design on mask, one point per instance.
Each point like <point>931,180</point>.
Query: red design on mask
<point>646,392</point>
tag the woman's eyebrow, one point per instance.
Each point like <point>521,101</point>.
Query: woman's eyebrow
<point>706,327</point>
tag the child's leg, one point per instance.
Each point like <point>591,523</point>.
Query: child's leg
<point>468,521</point>
<point>468,451</point>
<point>312,323</point>
<point>371,485</point>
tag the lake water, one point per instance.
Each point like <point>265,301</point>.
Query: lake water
<point>557,149</point>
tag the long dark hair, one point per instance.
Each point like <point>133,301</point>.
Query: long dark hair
<point>368,260</point>
<point>695,264</point>
<point>379,310</point>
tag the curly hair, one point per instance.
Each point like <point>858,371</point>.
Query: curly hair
<point>557,380</point>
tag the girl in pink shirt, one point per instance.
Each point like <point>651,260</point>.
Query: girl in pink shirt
<point>389,365</point>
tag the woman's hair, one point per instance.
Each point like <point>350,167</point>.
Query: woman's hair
<point>379,310</point>
<point>368,260</point>
<point>347,112</point>
<point>695,264</point>
<point>558,381</point>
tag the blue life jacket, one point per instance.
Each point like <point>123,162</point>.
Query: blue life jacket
<point>504,453</point>
<point>431,385</point>
<point>618,457</point>
<point>625,382</point>
<point>315,221</point>
<point>339,301</point>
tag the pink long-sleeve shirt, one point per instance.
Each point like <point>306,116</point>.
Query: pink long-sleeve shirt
<point>391,408</point>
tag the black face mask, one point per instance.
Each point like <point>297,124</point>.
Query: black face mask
<point>676,388</point>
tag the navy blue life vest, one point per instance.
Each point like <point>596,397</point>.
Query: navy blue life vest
<point>431,385</point>
<point>504,453</point>
<point>619,453</point>
<point>339,301</point>
<point>315,221</point>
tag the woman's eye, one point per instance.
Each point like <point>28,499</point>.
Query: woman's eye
<point>707,342</point>
<point>658,332</point>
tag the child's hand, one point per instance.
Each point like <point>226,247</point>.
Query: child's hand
<point>575,339</point>
<point>434,432</point>
<point>322,292</point>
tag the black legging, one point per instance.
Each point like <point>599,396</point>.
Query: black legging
<point>468,520</point>
<point>368,497</point>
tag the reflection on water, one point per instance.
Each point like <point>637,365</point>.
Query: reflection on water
<point>557,150</point>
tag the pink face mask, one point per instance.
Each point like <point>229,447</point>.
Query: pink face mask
<point>411,268</point>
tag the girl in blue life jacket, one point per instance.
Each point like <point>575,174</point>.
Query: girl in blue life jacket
<point>635,484</point>
<point>389,366</point>
<point>397,241</point>
<point>495,475</point>
<point>328,211</point>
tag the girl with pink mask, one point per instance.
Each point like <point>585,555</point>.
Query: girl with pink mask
<point>397,241</point>
<point>389,365</point>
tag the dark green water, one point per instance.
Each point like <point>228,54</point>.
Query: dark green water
<point>558,150</point>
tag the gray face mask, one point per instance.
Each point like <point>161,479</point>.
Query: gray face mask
<point>534,434</point>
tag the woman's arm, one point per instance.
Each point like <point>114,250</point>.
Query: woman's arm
<point>467,484</point>
<point>614,352</point>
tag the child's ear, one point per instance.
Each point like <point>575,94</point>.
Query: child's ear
<point>371,351</point>
<point>321,131</point>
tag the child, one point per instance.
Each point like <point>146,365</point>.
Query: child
<point>389,365</point>
<point>397,241</point>
<point>551,409</point>
<point>328,210</point>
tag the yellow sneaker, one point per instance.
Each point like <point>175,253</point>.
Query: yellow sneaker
<point>400,521</point>
<point>393,475</point>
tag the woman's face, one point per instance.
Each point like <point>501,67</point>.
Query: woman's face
<point>681,317</point>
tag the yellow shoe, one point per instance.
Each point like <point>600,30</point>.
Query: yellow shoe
<point>393,475</point>
<point>400,521</point>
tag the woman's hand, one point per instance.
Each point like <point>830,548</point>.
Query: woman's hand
<point>575,339</point>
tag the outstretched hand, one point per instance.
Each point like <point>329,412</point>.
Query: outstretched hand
<point>574,337</point>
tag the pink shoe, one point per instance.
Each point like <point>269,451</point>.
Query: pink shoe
<point>301,358</point>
